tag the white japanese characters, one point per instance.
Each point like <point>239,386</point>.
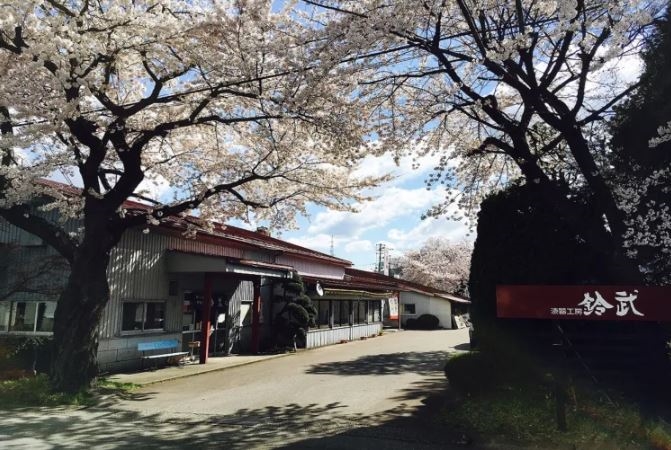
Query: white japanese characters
<point>626,302</point>
<point>594,303</point>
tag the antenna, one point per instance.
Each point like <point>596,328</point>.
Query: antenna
<point>332,252</point>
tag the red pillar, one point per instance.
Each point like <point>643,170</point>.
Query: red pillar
<point>256,316</point>
<point>205,323</point>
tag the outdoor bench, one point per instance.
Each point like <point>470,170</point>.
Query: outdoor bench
<point>168,344</point>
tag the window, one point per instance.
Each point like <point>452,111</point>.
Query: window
<point>323,313</point>
<point>376,306</point>
<point>363,311</point>
<point>409,308</point>
<point>344,312</point>
<point>336,305</point>
<point>27,317</point>
<point>359,311</point>
<point>341,310</point>
<point>143,316</point>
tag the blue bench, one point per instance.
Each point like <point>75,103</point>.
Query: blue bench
<point>168,344</point>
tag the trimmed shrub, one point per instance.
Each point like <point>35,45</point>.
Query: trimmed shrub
<point>423,322</point>
<point>427,322</point>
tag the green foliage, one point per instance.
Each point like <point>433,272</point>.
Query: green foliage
<point>297,315</point>
<point>423,322</point>
<point>505,399</point>
<point>36,391</point>
<point>427,322</point>
<point>521,240</point>
<point>25,352</point>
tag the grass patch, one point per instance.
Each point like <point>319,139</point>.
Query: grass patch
<point>36,391</point>
<point>504,400</point>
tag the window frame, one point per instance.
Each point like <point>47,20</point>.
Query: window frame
<point>12,305</point>
<point>144,303</point>
<point>414,309</point>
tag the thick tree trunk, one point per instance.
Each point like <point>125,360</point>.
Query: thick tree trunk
<point>80,307</point>
<point>76,322</point>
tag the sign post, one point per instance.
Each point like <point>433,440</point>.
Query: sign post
<point>585,303</point>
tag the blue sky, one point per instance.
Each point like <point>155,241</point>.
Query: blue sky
<point>393,217</point>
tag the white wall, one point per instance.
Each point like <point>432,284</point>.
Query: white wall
<point>425,304</point>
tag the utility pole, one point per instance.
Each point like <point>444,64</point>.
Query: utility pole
<point>382,256</point>
<point>332,252</point>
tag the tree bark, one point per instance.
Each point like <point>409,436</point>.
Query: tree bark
<point>80,307</point>
<point>79,310</point>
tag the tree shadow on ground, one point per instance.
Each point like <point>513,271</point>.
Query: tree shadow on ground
<point>423,363</point>
<point>405,427</point>
<point>269,427</point>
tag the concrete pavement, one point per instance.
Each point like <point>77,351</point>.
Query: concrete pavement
<point>364,394</point>
<point>190,369</point>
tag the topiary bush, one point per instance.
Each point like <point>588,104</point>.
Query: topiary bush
<point>411,324</point>
<point>427,322</point>
<point>423,322</point>
<point>296,317</point>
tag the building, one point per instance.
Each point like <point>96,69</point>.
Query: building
<point>159,283</point>
<point>413,299</point>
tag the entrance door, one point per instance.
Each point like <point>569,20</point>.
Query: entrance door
<point>192,319</point>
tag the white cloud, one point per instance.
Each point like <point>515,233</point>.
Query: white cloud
<point>320,242</point>
<point>404,240</point>
<point>392,204</point>
<point>407,169</point>
<point>155,187</point>
<point>362,245</point>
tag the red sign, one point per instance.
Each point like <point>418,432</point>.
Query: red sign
<point>584,302</point>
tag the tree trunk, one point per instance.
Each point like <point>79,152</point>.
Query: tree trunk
<point>79,310</point>
<point>76,322</point>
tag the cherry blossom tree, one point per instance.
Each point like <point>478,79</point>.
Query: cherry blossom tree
<point>230,103</point>
<point>501,90</point>
<point>440,264</point>
<point>641,144</point>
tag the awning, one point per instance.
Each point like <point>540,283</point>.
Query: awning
<point>454,299</point>
<point>352,294</point>
<point>179,262</point>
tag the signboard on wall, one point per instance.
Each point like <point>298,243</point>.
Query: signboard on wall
<point>393,308</point>
<point>597,302</point>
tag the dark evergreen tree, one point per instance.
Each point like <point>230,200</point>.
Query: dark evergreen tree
<point>296,316</point>
<point>521,240</point>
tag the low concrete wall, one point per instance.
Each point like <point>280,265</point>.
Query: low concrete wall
<point>329,336</point>
<point>119,354</point>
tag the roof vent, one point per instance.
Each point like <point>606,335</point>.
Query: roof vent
<point>263,230</point>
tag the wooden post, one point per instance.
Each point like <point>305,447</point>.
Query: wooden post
<point>560,379</point>
<point>560,401</point>
<point>256,316</point>
<point>205,322</point>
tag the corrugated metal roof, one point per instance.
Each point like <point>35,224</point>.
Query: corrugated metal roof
<point>219,233</point>
<point>401,285</point>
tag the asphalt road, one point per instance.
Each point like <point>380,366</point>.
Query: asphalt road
<point>365,394</point>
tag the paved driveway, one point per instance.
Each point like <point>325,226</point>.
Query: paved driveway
<point>364,394</point>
